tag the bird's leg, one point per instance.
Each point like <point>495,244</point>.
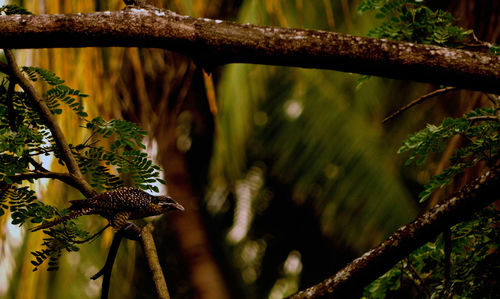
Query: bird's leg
<point>119,220</point>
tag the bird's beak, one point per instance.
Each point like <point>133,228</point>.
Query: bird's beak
<point>175,205</point>
<point>179,207</point>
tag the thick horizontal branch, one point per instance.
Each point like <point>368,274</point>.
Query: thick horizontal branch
<point>216,42</point>
<point>363,270</point>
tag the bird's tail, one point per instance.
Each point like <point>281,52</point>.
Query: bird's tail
<point>62,219</point>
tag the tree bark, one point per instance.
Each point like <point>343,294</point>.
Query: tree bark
<point>216,42</point>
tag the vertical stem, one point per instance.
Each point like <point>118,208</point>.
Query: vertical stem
<point>108,265</point>
<point>497,105</point>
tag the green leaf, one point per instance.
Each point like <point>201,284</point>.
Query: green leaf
<point>12,9</point>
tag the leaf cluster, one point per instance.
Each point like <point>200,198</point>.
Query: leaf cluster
<point>60,238</point>
<point>23,205</point>
<point>481,143</point>
<point>21,132</point>
<point>475,243</point>
<point>411,21</point>
<point>58,93</point>
<point>104,165</point>
<point>12,9</point>
<point>24,138</point>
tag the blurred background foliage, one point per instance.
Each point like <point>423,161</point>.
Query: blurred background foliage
<point>290,179</point>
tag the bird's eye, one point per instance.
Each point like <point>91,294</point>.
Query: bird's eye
<point>166,201</point>
<point>163,200</point>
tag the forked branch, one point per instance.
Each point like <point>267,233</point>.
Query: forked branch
<point>51,123</point>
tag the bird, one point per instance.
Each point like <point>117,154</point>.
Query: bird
<point>118,206</point>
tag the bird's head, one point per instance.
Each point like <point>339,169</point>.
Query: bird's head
<point>166,203</point>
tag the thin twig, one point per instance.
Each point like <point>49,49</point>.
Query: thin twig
<point>422,283</point>
<point>418,101</point>
<point>41,150</point>
<point>51,123</point>
<point>37,165</point>
<point>447,261</point>
<point>481,43</point>
<point>496,102</point>
<point>12,116</point>
<point>91,238</point>
<point>492,98</point>
<point>483,117</point>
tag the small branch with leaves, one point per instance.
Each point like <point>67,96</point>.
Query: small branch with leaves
<point>51,123</point>
<point>31,118</point>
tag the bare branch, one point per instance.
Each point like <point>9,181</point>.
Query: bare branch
<point>51,123</point>
<point>363,270</point>
<point>108,265</point>
<point>148,245</point>
<point>421,281</point>
<point>216,42</point>
<point>417,101</point>
<point>492,98</point>
<point>67,178</point>
<point>483,118</point>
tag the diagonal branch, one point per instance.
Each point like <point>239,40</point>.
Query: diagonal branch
<point>148,245</point>
<point>51,123</point>
<point>418,101</point>
<point>216,42</point>
<point>363,270</point>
